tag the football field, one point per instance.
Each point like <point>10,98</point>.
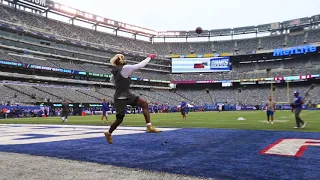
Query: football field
<point>208,145</point>
<point>255,120</point>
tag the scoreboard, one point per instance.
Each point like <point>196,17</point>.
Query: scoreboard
<point>200,65</point>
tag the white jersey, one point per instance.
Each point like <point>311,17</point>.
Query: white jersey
<point>270,105</point>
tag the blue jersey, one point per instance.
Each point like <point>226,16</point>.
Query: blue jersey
<point>182,104</point>
<point>298,102</point>
<point>105,106</point>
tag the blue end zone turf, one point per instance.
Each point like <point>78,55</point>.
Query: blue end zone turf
<point>214,153</point>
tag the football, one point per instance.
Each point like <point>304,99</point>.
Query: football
<point>199,30</point>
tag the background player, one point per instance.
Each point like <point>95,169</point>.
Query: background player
<point>219,108</point>
<point>183,107</point>
<point>167,108</point>
<point>105,109</point>
<point>297,107</point>
<point>65,111</point>
<point>271,109</point>
<point>121,79</point>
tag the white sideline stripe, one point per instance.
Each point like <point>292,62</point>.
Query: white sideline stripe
<point>80,126</point>
<point>16,134</point>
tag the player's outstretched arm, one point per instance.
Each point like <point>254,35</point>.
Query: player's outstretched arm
<point>127,70</point>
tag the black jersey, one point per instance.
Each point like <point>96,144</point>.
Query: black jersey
<point>122,84</point>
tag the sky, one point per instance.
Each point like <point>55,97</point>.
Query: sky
<point>187,15</point>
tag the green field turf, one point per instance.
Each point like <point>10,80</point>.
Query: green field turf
<point>255,120</point>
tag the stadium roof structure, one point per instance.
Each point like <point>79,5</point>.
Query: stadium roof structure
<point>45,6</point>
<point>271,27</point>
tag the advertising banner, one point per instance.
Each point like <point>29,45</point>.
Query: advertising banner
<point>198,65</point>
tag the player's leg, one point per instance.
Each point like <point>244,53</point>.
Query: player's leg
<point>103,115</point>
<point>268,117</point>
<point>303,124</point>
<point>145,108</point>
<point>272,114</point>
<point>62,116</point>
<point>137,101</point>
<point>106,115</point>
<point>120,106</point>
<point>183,114</point>
<point>297,117</point>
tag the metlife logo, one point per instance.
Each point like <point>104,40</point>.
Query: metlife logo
<point>295,50</point>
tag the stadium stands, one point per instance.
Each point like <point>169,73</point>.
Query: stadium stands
<point>242,71</point>
<point>74,57</point>
<point>249,95</point>
<point>26,19</point>
<point>8,95</point>
<point>65,30</point>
